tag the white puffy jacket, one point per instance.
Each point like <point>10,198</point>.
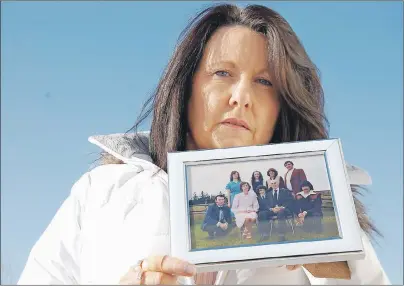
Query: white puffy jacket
<point>117,214</point>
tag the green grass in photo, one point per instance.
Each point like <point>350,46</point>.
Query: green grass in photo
<point>199,238</point>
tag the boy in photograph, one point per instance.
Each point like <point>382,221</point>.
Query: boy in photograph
<point>264,214</point>
<point>217,220</point>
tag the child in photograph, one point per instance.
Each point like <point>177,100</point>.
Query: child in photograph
<point>245,207</point>
<point>256,180</point>
<point>217,220</point>
<point>233,187</point>
<point>308,207</point>
<point>273,175</point>
<point>264,212</point>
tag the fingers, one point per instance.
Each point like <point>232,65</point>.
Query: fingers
<point>168,265</point>
<point>148,278</point>
<point>159,278</point>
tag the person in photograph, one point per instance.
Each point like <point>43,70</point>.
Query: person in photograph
<point>308,208</point>
<point>282,206</point>
<point>233,187</point>
<point>245,207</point>
<point>264,211</point>
<point>239,76</point>
<point>256,180</point>
<point>293,177</point>
<point>273,175</point>
<point>217,220</point>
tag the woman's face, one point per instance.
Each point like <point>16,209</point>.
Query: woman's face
<point>256,175</point>
<point>235,176</point>
<point>306,189</point>
<point>233,102</point>
<point>245,188</point>
<point>272,174</point>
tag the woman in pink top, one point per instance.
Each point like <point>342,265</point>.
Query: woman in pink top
<point>245,207</point>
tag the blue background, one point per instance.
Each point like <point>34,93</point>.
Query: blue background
<point>73,69</point>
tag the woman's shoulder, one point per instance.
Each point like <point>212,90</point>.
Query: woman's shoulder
<point>113,183</point>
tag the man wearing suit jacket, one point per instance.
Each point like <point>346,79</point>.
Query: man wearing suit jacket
<point>217,220</point>
<point>294,177</point>
<point>281,206</point>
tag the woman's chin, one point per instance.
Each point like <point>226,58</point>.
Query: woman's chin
<point>233,142</point>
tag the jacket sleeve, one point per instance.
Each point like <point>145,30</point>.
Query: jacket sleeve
<point>256,206</point>
<point>54,258</point>
<point>209,220</point>
<point>302,176</point>
<point>234,207</point>
<point>316,206</point>
<point>281,183</point>
<point>369,270</point>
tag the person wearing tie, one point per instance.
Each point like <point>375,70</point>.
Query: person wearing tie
<point>217,220</point>
<point>264,214</point>
<point>282,206</point>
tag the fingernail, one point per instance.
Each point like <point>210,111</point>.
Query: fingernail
<point>190,269</point>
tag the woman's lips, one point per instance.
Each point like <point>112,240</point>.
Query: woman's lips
<point>236,123</point>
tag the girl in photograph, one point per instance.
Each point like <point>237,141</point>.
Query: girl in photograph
<point>273,175</point>
<point>233,187</point>
<point>308,208</point>
<point>238,77</point>
<point>256,180</point>
<point>245,207</point>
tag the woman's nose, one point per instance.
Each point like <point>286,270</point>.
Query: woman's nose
<point>241,94</point>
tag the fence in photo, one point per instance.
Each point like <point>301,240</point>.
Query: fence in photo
<point>200,208</point>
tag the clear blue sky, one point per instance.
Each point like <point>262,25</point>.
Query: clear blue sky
<point>71,69</point>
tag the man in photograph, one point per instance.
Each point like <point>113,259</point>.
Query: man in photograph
<point>264,213</point>
<point>217,220</point>
<point>294,177</point>
<point>281,205</point>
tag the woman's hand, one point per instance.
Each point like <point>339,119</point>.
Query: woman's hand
<point>158,270</point>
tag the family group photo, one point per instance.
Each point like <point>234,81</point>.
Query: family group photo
<point>260,201</point>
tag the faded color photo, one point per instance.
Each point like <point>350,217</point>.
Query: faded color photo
<point>274,199</point>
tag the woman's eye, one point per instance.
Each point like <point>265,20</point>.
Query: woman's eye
<point>222,73</point>
<point>264,82</point>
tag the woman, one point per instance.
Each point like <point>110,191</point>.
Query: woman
<point>273,175</point>
<point>238,77</point>
<point>308,208</point>
<point>245,209</point>
<point>233,187</point>
<point>256,180</point>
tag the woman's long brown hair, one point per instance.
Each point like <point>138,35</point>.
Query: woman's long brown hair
<point>296,80</point>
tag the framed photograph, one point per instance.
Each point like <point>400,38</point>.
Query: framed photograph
<point>277,204</point>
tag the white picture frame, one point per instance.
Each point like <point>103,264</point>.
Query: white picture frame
<point>347,246</point>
